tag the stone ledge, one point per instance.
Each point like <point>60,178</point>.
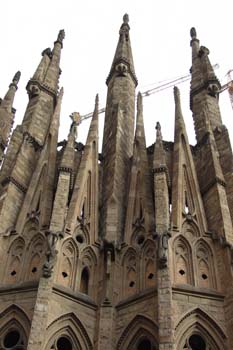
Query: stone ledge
<point>19,287</point>
<point>197,291</point>
<point>137,297</point>
<point>74,296</point>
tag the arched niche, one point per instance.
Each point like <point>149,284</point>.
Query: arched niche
<point>141,331</point>
<point>15,261</point>
<point>84,282</point>
<point>204,265</point>
<point>87,272</point>
<point>149,264</point>
<point>67,333</point>
<point>183,263</point>
<point>196,330</point>
<point>35,257</point>
<point>67,263</point>
<point>130,266</point>
<point>14,328</point>
<point>190,230</point>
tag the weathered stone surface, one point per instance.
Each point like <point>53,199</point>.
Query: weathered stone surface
<point>129,249</point>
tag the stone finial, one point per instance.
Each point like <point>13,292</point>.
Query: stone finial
<point>16,77</point>
<point>61,36</point>
<point>193,33</point>
<point>126,18</point>
<point>76,120</point>
<point>124,30</point>
<point>158,132</point>
<point>47,52</point>
<point>75,117</point>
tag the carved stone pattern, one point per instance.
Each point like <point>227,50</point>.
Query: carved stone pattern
<point>31,140</point>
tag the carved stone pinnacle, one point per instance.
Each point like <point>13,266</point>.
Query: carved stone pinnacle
<point>126,18</point>
<point>193,33</point>
<point>16,77</point>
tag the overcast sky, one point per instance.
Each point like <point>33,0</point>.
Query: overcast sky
<point>161,48</point>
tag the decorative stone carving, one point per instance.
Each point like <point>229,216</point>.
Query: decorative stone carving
<point>11,231</point>
<point>51,254</point>
<point>61,36</point>
<point>47,52</point>
<point>16,77</point>
<point>163,249</point>
<point>34,215</point>
<point>193,33</point>
<point>33,90</point>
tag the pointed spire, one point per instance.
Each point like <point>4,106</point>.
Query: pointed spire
<point>93,129</point>
<point>68,154</point>
<point>159,153</point>
<point>140,131</point>
<point>8,100</point>
<point>179,120</point>
<point>7,113</point>
<point>53,72</point>
<point>123,59</point>
<point>203,75</point>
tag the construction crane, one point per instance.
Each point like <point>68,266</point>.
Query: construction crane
<point>229,86</point>
<point>176,81</point>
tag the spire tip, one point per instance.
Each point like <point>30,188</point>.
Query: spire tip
<point>193,33</point>
<point>61,36</point>
<point>158,132</point>
<point>176,93</point>
<point>126,18</point>
<point>16,77</point>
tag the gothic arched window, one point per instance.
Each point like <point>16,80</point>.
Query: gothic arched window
<point>196,342</point>
<point>144,344</point>
<point>36,257</point>
<point>84,286</point>
<point>130,270</point>
<point>205,269</point>
<point>67,264</point>
<point>15,261</point>
<point>62,343</point>
<point>149,265</point>
<point>183,271</point>
<point>13,339</point>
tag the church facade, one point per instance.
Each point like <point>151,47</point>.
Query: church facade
<point>131,248</point>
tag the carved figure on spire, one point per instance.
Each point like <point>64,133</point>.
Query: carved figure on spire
<point>126,18</point>
<point>16,77</point>
<point>193,33</point>
<point>61,36</point>
<point>76,120</point>
<point>158,132</point>
<point>124,30</point>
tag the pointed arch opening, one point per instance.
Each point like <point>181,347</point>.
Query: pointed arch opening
<point>205,265</point>
<point>67,264</point>
<point>84,284</point>
<point>198,331</point>
<point>140,334</point>
<point>149,264</point>
<point>15,260</point>
<point>14,330</point>
<point>183,268</point>
<point>35,258</point>
<point>130,273</point>
<point>67,333</point>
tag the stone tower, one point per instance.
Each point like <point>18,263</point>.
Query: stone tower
<point>129,249</point>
